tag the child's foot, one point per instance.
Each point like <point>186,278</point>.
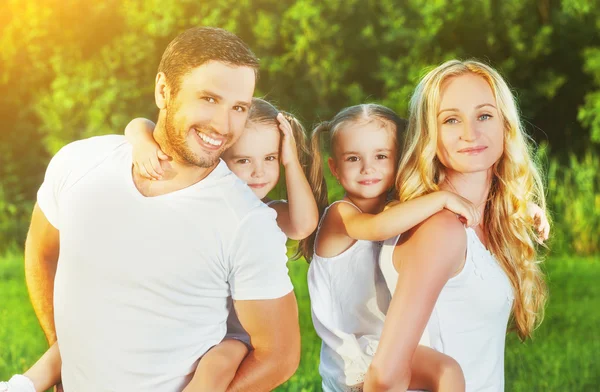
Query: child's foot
<point>17,383</point>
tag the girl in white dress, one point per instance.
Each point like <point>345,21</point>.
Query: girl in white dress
<point>458,287</point>
<point>348,295</point>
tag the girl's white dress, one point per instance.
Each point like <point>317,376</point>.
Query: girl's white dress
<point>348,298</point>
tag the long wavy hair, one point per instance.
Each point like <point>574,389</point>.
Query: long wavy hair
<point>516,181</point>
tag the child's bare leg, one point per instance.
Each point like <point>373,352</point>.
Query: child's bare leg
<point>46,371</point>
<point>435,372</point>
<point>218,366</point>
<point>41,376</point>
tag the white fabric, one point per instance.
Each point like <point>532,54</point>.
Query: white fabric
<point>17,383</point>
<point>143,283</point>
<point>471,314</point>
<point>348,299</point>
<point>234,326</point>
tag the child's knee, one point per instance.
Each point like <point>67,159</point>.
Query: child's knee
<point>451,375</point>
<point>232,349</point>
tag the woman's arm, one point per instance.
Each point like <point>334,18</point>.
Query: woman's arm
<point>423,271</point>
<point>401,217</point>
<point>298,217</point>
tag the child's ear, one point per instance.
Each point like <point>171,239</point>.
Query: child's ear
<point>332,167</point>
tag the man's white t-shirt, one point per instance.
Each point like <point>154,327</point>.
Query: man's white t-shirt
<point>142,284</point>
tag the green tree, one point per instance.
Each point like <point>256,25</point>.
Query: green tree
<point>68,74</point>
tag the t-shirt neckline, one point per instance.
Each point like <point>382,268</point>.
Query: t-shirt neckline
<point>217,173</point>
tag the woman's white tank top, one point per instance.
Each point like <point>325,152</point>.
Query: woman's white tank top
<point>470,317</point>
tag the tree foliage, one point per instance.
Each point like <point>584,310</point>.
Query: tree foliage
<point>76,68</point>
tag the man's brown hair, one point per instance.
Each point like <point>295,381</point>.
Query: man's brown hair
<point>199,45</point>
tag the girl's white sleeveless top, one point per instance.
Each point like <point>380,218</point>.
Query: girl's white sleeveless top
<point>471,314</point>
<point>349,299</point>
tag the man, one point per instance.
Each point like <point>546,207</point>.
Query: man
<point>144,269</point>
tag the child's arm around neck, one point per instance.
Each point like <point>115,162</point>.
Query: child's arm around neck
<point>401,217</point>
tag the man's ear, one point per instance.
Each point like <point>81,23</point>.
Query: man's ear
<point>161,91</point>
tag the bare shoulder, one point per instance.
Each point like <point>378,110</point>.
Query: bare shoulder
<point>336,214</point>
<point>442,227</point>
<point>333,238</point>
<point>439,239</point>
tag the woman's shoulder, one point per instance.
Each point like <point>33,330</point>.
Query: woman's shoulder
<point>440,238</point>
<point>444,226</point>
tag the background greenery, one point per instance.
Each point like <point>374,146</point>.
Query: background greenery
<point>563,356</point>
<point>70,69</point>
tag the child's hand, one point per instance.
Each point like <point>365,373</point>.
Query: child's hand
<point>289,153</point>
<point>463,207</point>
<point>146,160</point>
<point>17,383</point>
<point>540,221</point>
<point>146,152</point>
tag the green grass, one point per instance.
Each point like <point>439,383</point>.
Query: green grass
<point>563,356</point>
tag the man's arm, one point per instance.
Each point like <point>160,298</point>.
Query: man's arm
<point>41,259</point>
<point>275,335</point>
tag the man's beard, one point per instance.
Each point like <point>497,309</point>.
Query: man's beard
<point>178,144</point>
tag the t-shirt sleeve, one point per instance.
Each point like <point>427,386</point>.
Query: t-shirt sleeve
<point>258,257</point>
<point>68,165</point>
<point>58,171</point>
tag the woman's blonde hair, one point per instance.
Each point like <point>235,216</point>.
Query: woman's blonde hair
<point>516,182</point>
<point>316,178</point>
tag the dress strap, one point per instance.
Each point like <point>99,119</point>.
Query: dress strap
<point>325,213</point>
<point>344,201</point>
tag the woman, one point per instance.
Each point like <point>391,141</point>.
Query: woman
<point>454,287</point>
